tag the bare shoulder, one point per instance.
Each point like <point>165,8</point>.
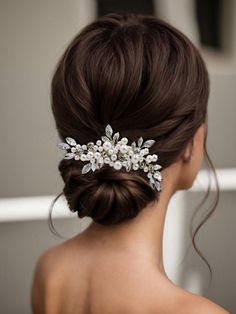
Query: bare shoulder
<point>51,260</point>
<point>176,299</point>
<point>196,304</point>
<point>46,262</point>
<point>46,277</point>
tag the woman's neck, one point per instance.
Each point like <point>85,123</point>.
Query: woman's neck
<point>140,237</point>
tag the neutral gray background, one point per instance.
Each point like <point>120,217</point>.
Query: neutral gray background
<point>33,36</point>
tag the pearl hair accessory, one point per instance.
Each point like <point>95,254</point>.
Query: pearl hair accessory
<point>116,153</point>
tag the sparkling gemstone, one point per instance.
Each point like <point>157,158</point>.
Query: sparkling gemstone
<point>71,141</point>
<point>158,186</point>
<point>63,146</point>
<point>140,141</point>
<point>73,149</point>
<point>108,130</point>
<point>86,168</point>
<point>84,146</point>
<point>145,169</point>
<point>77,157</point>
<point>157,167</point>
<point>100,148</point>
<point>94,166</point>
<point>69,156</point>
<point>111,151</point>
<point>99,142</point>
<point>158,176</point>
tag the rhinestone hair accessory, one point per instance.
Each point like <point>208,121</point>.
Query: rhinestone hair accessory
<point>117,154</point>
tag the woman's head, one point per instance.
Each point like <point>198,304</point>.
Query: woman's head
<point>144,78</point>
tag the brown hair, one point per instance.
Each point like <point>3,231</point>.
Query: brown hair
<point>143,77</point>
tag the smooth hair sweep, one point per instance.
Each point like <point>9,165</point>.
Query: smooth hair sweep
<point>145,78</point>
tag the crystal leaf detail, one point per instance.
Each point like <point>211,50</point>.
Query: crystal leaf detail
<point>152,183</point>
<point>152,180</point>
<point>157,186</point>
<point>148,143</point>
<point>109,131</point>
<point>128,165</point>
<point>140,141</point>
<point>86,168</point>
<point>105,139</point>
<point>63,146</point>
<point>97,163</point>
<point>71,141</point>
<point>116,136</point>
<point>94,167</point>
<point>69,156</point>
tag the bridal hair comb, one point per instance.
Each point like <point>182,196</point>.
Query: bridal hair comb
<point>116,153</point>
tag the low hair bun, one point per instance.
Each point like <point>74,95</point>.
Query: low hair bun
<point>107,195</point>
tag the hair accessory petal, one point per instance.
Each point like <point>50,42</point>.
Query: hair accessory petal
<point>117,154</point>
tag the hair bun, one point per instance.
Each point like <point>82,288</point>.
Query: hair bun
<point>107,196</point>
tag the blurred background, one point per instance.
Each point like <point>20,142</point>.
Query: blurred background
<point>34,34</point>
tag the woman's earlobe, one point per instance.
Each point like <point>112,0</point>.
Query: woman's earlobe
<point>189,158</point>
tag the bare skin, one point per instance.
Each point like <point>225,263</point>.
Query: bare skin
<point>119,269</point>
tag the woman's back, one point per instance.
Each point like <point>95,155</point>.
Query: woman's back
<point>75,278</point>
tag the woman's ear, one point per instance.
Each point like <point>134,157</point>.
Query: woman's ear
<point>193,152</point>
<point>195,145</point>
<point>187,154</point>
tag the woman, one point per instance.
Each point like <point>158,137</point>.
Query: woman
<point>143,78</point>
